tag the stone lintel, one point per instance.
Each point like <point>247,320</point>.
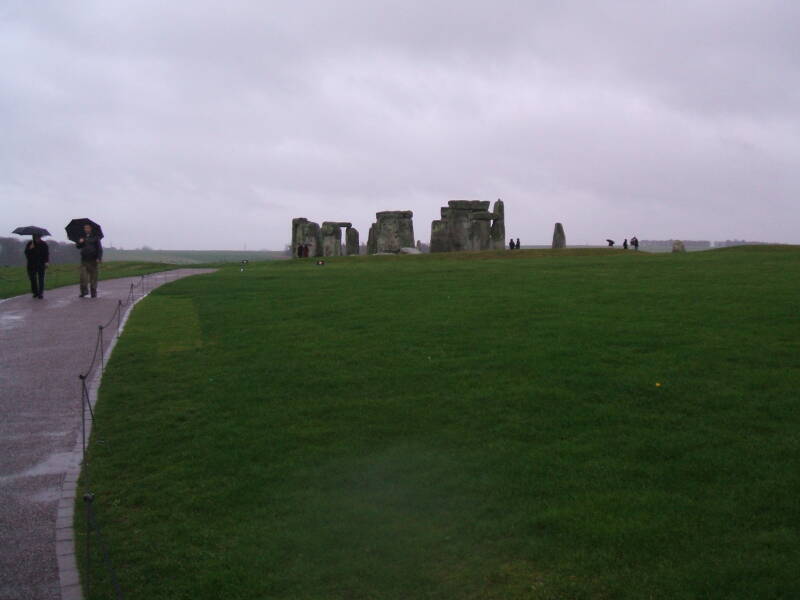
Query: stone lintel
<point>478,205</point>
<point>394,214</point>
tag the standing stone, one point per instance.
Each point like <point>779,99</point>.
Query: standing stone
<point>498,231</point>
<point>331,239</point>
<point>372,247</point>
<point>392,231</point>
<point>677,246</point>
<point>305,232</point>
<point>351,241</point>
<point>440,237</point>
<point>559,239</point>
<point>468,225</point>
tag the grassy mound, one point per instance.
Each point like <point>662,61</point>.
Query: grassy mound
<point>532,424</point>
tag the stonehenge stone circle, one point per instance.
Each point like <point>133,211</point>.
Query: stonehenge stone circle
<point>469,225</point>
<point>392,230</point>
<point>559,239</point>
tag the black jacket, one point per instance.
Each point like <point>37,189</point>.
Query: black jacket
<point>37,254</point>
<point>91,248</point>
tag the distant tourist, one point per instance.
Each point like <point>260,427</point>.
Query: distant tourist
<point>511,245</point>
<point>635,242</point>
<point>610,243</point>
<point>299,250</point>
<point>305,250</point>
<point>38,256</point>
<point>625,244</point>
<point>518,246</point>
<point>91,256</point>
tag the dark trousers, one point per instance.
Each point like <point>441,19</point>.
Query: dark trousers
<point>36,275</point>
<point>88,276</point>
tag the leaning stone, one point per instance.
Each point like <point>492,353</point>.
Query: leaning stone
<point>677,246</point>
<point>559,239</point>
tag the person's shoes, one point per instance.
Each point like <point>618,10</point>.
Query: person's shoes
<point>35,295</point>
<point>40,296</point>
<point>83,295</point>
<point>94,293</point>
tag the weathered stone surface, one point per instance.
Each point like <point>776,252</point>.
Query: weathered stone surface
<point>410,251</point>
<point>440,240</point>
<point>351,241</point>
<point>677,246</point>
<point>371,245</point>
<point>498,230</point>
<point>331,239</point>
<point>468,225</point>
<point>469,204</point>
<point>393,230</point>
<point>308,233</point>
<point>559,239</point>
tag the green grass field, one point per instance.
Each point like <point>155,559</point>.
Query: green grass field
<point>14,280</point>
<point>459,426</point>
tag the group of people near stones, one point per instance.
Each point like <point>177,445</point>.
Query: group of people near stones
<point>634,243</point>
<point>302,251</point>
<point>37,256</point>
<point>512,245</point>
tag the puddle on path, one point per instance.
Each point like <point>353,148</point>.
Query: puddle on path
<point>55,464</point>
<point>12,319</point>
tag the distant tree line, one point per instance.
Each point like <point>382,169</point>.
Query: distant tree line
<point>12,251</point>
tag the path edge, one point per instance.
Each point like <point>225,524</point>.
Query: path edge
<point>69,580</point>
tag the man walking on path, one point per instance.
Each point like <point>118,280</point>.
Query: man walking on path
<point>91,256</point>
<point>38,256</point>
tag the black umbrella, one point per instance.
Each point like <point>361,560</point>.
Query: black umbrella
<point>75,229</point>
<point>31,230</point>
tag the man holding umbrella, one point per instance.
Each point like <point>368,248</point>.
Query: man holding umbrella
<point>37,255</point>
<point>87,235</point>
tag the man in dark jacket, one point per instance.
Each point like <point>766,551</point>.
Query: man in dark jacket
<point>38,256</point>
<point>91,255</point>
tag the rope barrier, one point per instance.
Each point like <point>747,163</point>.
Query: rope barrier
<point>136,291</point>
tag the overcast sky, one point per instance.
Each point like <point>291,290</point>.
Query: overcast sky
<point>209,124</point>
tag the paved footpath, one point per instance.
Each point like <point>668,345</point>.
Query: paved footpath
<point>44,345</point>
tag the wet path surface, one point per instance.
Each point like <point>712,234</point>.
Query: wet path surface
<point>44,345</point>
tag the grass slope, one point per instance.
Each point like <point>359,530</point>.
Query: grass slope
<point>14,280</point>
<point>459,426</point>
